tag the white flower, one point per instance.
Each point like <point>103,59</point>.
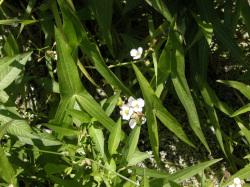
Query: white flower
<point>136,53</point>
<point>126,112</point>
<point>132,123</point>
<point>136,104</point>
<point>237,181</point>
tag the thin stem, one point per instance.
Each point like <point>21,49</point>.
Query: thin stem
<point>116,65</point>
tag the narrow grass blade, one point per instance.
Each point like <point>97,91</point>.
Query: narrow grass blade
<point>243,88</point>
<point>242,110</point>
<point>183,91</point>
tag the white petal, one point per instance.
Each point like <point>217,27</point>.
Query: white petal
<point>238,185</point>
<point>125,117</point>
<point>137,56</point>
<point>231,185</point>
<point>132,123</point>
<point>140,50</point>
<point>237,180</point>
<point>133,52</point>
<point>137,109</point>
<point>140,102</point>
<point>126,112</point>
<point>130,100</point>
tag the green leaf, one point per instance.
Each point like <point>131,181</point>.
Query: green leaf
<point>243,88</point>
<point>11,67</point>
<point>87,46</point>
<point>62,131</point>
<point>11,47</point>
<point>164,66</point>
<point>25,134</point>
<point>137,157</point>
<point>98,138</point>
<point>3,128</point>
<point>161,8</point>
<point>156,108</point>
<point>183,91</point>
<point>132,142</point>
<point>179,176</point>
<point>186,173</point>
<point>244,109</point>
<point>16,21</point>
<point>7,172</point>
<point>69,80</point>
<point>111,103</point>
<point>148,95</point>
<point>213,100</point>
<point>206,28</point>
<point>94,109</point>
<point>215,122</point>
<point>172,124</point>
<point>150,172</point>
<point>80,115</point>
<point>114,138</point>
<point>145,181</point>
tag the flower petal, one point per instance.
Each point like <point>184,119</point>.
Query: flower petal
<point>141,102</point>
<point>140,50</point>
<point>132,123</point>
<point>137,56</point>
<point>237,180</point>
<point>130,100</point>
<point>133,52</point>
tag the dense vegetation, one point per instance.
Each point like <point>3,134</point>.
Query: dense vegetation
<point>91,92</point>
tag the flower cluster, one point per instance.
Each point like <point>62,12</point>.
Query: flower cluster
<point>237,183</point>
<point>132,111</point>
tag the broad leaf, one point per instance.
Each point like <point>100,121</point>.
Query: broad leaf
<point>114,138</point>
<point>7,172</point>
<point>11,67</point>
